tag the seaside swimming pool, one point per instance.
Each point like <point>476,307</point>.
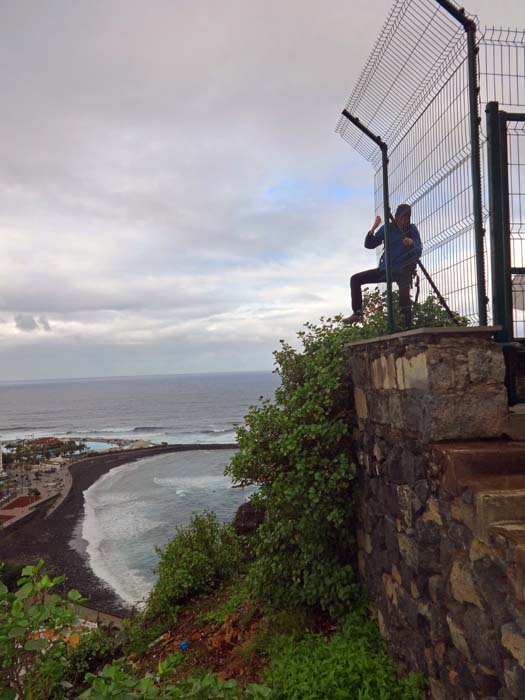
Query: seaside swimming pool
<point>96,446</point>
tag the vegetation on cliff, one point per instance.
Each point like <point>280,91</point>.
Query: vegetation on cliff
<point>278,615</point>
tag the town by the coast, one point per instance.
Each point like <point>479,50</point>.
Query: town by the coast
<point>34,472</point>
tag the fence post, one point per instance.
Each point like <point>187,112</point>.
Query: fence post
<point>386,210</point>
<point>498,204</point>
<point>475,158</point>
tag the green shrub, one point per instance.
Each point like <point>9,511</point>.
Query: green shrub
<point>197,560</point>
<point>351,664</point>
<point>119,681</point>
<point>24,617</point>
<point>138,633</point>
<point>298,449</point>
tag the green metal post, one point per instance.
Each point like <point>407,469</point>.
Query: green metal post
<point>475,162</point>
<point>388,254</point>
<point>499,243</point>
<point>386,211</point>
<point>505,223</point>
<point>475,158</point>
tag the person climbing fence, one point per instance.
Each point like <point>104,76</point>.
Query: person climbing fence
<point>405,251</point>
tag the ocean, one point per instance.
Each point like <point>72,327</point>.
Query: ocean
<point>136,508</point>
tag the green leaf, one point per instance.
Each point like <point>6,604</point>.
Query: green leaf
<point>74,595</point>
<point>7,694</point>
<point>25,591</point>
<point>35,644</point>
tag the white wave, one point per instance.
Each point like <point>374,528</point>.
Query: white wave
<point>129,585</point>
<point>110,518</point>
<point>194,482</point>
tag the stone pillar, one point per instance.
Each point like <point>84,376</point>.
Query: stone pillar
<point>437,478</point>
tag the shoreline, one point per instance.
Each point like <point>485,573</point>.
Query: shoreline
<point>48,538</point>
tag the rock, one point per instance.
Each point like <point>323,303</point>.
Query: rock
<point>432,513</point>
<point>462,585</point>
<point>482,639</point>
<point>247,519</point>
<point>514,642</point>
<point>514,678</point>
<point>458,637</point>
<point>408,550</point>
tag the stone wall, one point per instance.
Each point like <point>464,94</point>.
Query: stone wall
<point>441,535</point>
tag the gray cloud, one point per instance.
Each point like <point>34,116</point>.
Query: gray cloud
<point>25,322</point>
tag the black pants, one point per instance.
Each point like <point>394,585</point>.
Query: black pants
<point>403,279</point>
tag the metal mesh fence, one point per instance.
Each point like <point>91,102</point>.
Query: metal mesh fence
<point>516,174</point>
<point>413,93</point>
<point>502,79</point>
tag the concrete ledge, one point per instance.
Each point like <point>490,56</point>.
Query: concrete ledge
<point>484,331</point>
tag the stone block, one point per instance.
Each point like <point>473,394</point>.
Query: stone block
<point>408,550</point>
<point>462,512</point>
<point>404,498</point>
<point>432,512</point>
<point>429,560</point>
<point>514,676</point>
<point>360,402</point>
<point>505,694</point>
<point>422,489</point>
<point>437,690</point>
<point>497,506</point>
<point>439,631</point>
<point>382,373</point>
<point>462,584</point>
<point>364,541</point>
<point>436,588</point>
<point>428,533</point>
<point>514,642</point>
<point>486,366</point>
<point>408,609</point>
<point>479,550</point>
<point>460,535</point>
<point>383,630</point>
<point>458,637</point>
<point>412,372</point>
<point>482,640</point>
<point>517,613</point>
<point>396,575</point>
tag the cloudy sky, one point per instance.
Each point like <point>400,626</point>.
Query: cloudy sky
<point>173,197</point>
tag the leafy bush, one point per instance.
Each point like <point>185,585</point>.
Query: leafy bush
<point>197,560</point>
<point>33,624</point>
<point>119,681</point>
<point>298,449</point>
<point>138,633</point>
<point>352,664</point>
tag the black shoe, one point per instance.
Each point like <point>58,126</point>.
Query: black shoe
<point>354,318</point>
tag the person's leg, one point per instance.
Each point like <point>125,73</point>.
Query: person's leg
<point>373,276</point>
<point>404,282</point>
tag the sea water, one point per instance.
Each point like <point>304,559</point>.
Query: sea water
<point>185,408</point>
<point>136,508</point>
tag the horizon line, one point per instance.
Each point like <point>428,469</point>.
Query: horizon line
<point>130,376</point>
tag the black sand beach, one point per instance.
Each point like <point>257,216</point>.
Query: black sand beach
<point>48,538</point>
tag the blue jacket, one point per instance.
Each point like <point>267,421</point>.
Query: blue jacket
<point>401,256</point>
